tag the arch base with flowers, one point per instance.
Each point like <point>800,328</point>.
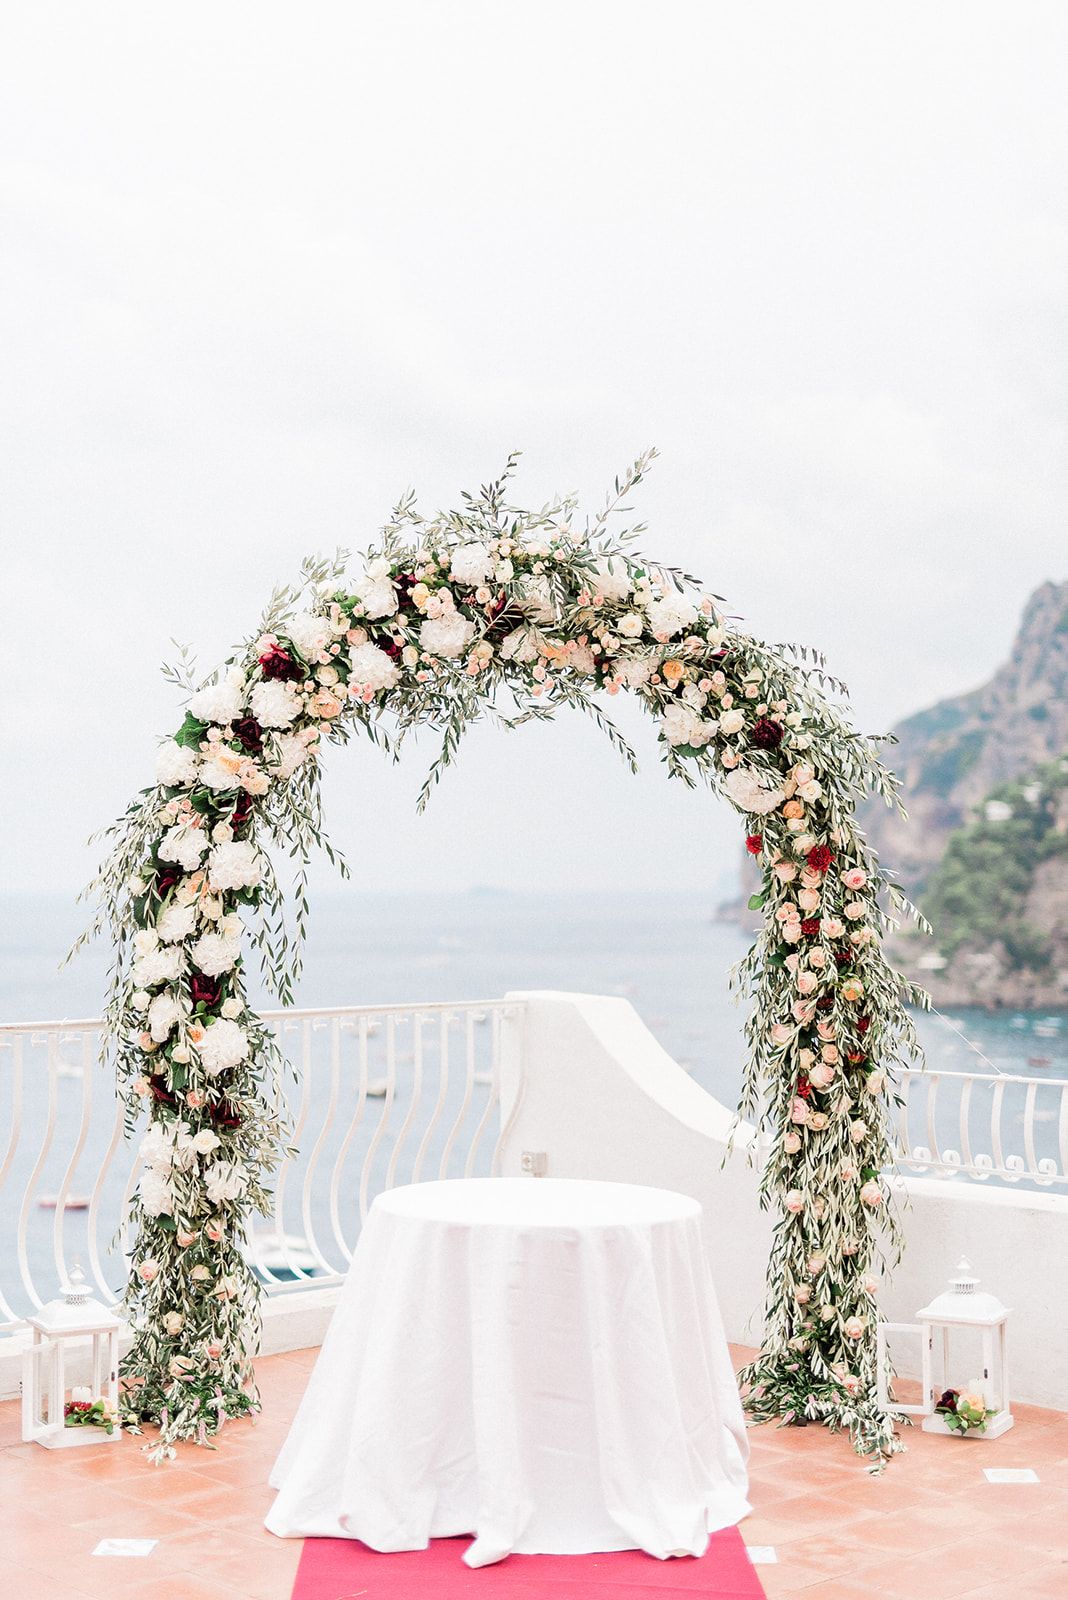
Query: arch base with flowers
<point>496,611</point>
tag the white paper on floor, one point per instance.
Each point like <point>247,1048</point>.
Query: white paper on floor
<point>125,1547</point>
<point>762,1555</point>
<point>1010,1475</point>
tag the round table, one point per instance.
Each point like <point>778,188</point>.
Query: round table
<point>538,1362</point>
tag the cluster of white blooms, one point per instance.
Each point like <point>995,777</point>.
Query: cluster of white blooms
<point>522,645</point>
<point>370,667</point>
<point>176,765</point>
<point>221,771</point>
<point>157,965</point>
<point>234,866</point>
<point>220,702</point>
<point>225,1181</point>
<point>472,565</point>
<point>185,845</point>
<point>376,591</point>
<point>163,1012</point>
<point>291,752</point>
<point>311,633</point>
<point>223,1045</point>
<point>176,922</point>
<point>612,578</point>
<point>682,726</point>
<point>275,703</point>
<point>215,953</point>
<point>670,614</point>
<point>448,635</point>
<point>750,792</point>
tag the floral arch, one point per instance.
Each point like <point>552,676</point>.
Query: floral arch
<point>449,616</point>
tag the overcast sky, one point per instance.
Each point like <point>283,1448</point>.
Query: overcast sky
<point>264,265</point>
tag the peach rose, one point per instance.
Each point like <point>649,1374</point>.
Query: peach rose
<point>806,982</point>
<point>821,1076</point>
<point>830,1055</point>
<point>871,1193</point>
<point>816,1263</point>
<point>799,1111</point>
<point>794,1201</point>
<point>855,909</point>
<point>793,808</point>
<point>855,878</point>
<point>852,989</point>
<point>858,1131</point>
<point>791,1143</point>
<point>817,956</point>
<point>853,1327</point>
<point>148,1271</point>
<point>802,1294</point>
<point>781,1033</point>
<point>185,1239</point>
<point>785,871</point>
<point>809,900</point>
<point>833,928</point>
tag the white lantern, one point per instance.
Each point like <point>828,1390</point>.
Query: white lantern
<point>961,1305</point>
<point>59,1329</point>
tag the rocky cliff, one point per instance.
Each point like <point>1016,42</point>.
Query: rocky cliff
<point>984,850</point>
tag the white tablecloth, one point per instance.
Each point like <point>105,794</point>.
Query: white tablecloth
<point>538,1362</point>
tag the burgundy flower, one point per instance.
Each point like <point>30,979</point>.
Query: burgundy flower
<point>855,1057</point>
<point>767,733</point>
<point>825,1002</point>
<point>166,878</point>
<point>754,843</point>
<point>820,857</point>
<point>158,1084</point>
<point>863,1024</point>
<point>804,1088</point>
<point>241,813</point>
<point>810,926</point>
<point>224,1114</point>
<point>206,990</point>
<point>386,642</point>
<point>249,735</point>
<point>404,583</point>
<point>842,958</point>
<point>278,663</point>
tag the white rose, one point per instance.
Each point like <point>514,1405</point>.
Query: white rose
<point>145,940</point>
<point>670,616</point>
<point>220,702</point>
<point>446,636</point>
<point>177,922</point>
<point>173,1322</point>
<point>731,722</point>
<point>224,1181</point>
<point>310,633</point>
<point>372,668</point>
<point>234,866</point>
<point>472,565</point>
<point>224,1045</point>
<point>216,952</point>
<point>205,1143</point>
<point>163,1013</point>
<point>630,625</point>
<point>184,845</point>
<point>176,765</point>
<point>232,1007</point>
<point>613,579</point>
<point>157,1196</point>
<point>274,703</point>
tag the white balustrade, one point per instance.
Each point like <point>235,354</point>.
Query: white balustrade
<point>378,1096</point>
<point>983,1126</point>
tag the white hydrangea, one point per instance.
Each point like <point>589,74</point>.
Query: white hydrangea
<point>682,725</point>
<point>310,633</point>
<point>163,1013</point>
<point>176,922</point>
<point>291,752</point>
<point>671,615</point>
<point>220,702</point>
<point>372,668</point>
<point>157,1147</point>
<point>176,765</point>
<point>520,645</point>
<point>536,596</point>
<point>184,845</point>
<point>157,965</point>
<point>274,703</point>
<point>750,792</point>
<point>376,592</point>
<point>216,952</point>
<point>472,565</point>
<point>634,671</point>
<point>223,1045</point>
<point>582,660</point>
<point>219,774</point>
<point>234,866</point>
<point>145,940</point>
<point>449,635</point>
<point>157,1196</point>
<point>613,579</point>
<point>225,1181</point>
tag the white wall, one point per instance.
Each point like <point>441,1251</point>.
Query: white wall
<point>602,1099</point>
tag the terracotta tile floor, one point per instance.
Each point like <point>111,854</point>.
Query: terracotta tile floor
<point>931,1528</point>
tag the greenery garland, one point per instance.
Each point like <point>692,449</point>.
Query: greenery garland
<point>492,610</point>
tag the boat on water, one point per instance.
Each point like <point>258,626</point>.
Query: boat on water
<point>1039,1061</point>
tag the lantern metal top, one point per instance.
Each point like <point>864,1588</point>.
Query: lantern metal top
<point>74,1310</point>
<point>963,1302</point>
